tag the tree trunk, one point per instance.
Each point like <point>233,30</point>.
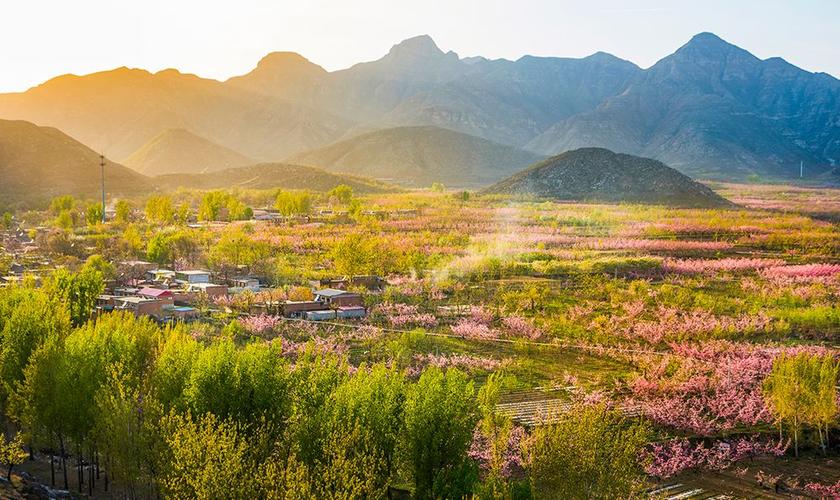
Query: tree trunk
<point>52,467</point>
<point>64,462</point>
<point>80,477</point>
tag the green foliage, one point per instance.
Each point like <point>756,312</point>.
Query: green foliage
<point>213,203</point>
<point>28,318</point>
<point>235,248</point>
<point>290,203</point>
<point>98,263</point>
<point>440,415</point>
<point>93,214</point>
<point>801,390</point>
<point>12,453</point>
<point>122,213</point>
<point>438,187</point>
<point>363,254</point>
<point>159,209</point>
<point>243,384</point>
<point>165,247</point>
<point>66,220</point>
<point>341,193</point>
<point>78,291</point>
<point>207,457</point>
<point>6,220</point>
<point>62,203</point>
<point>591,452</point>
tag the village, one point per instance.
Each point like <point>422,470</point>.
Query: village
<point>145,289</point>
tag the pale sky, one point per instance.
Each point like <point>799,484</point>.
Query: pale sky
<point>40,39</point>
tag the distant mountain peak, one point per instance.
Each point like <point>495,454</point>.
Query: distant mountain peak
<point>421,45</point>
<point>282,58</point>
<point>708,43</point>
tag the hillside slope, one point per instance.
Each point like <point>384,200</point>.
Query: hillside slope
<point>270,176</point>
<point>176,151</point>
<point>420,156</point>
<point>37,163</point>
<point>595,174</point>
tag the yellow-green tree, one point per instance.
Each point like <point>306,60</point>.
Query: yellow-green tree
<point>589,452</point>
<point>159,209</point>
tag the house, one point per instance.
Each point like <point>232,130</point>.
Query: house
<point>142,306</point>
<point>180,313</point>
<point>211,289</point>
<point>322,315</point>
<point>298,309</point>
<point>368,281</point>
<point>351,312</point>
<point>159,274</point>
<point>339,298</point>
<point>245,283</point>
<point>105,302</point>
<point>154,293</point>
<point>192,277</point>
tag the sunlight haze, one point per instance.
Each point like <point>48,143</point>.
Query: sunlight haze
<point>222,39</point>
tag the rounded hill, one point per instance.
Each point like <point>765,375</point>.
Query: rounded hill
<point>596,174</point>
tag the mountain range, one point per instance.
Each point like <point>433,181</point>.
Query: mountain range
<point>38,163</point>
<point>710,109</point>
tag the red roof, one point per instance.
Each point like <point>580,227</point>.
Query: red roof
<point>154,292</point>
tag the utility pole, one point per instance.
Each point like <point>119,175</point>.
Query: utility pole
<point>102,169</point>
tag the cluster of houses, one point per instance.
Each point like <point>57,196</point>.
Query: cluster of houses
<point>168,295</point>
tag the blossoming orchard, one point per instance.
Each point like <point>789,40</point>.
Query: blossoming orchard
<point>428,344</point>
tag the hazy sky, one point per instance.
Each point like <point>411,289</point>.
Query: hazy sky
<point>40,39</point>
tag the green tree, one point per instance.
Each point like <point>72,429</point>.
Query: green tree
<point>62,203</point>
<point>208,458</point>
<point>173,367</point>
<point>122,213</point>
<point>97,262</point>
<point>590,452</point>
<point>363,423</point>
<point>39,403</point>
<point>28,317</point>
<point>438,187</point>
<point>12,453</point>
<point>65,220</point>
<point>6,220</point>
<point>78,291</point>
<point>362,254</point>
<point>213,202</point>
<point>800,390</point>
<point>159,209</point>
<point>131,240</point>
<point>242,384</point>
<point>234,249</point>
<point>342,193</point>
<point>290,203</point>
<point>440,415</point>
<point>183,215</point>
<point>93,214</point>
